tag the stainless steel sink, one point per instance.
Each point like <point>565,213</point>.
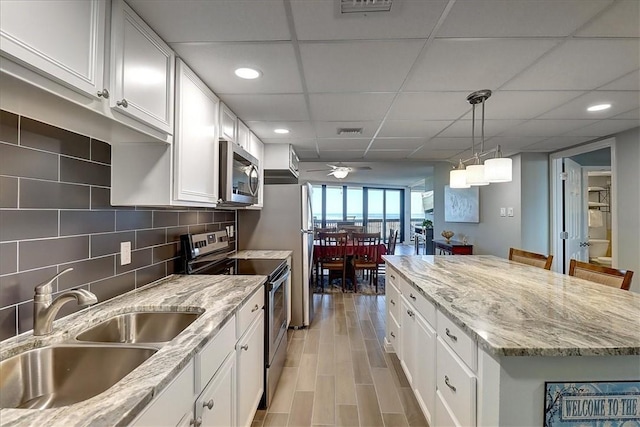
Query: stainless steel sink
<point>140,327</point>
<point>61,375</point>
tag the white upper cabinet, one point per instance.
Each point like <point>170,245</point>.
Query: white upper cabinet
<point>64,40</point>
<point>243,136</point>
<point>196,139</point>
<point>228,124</point>
<point>142,70</point>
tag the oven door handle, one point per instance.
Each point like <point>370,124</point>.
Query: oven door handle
<point>277,283</point>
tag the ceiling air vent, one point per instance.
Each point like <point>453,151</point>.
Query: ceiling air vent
<point>365,6</point>
<point>349,131</point>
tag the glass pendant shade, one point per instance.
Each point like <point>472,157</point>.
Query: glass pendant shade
<point>458,178</point>
<point>498,170</point>
<point>475,175</point>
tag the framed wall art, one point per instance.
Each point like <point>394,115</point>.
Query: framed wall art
<point>461,204</point>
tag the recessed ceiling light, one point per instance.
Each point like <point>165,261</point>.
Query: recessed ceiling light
<point>247,73</point>
<point>599,107</point>
<point>281,130</point>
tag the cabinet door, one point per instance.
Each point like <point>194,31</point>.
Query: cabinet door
<point>407,342</point>
<point>228,125</point>
<point>216,404</point>
<point>62,39</point>
<point>250,371</point>
<point>424,379</point>
<point>196,139</point>
<point>243,136</point>
<point>142,70</point>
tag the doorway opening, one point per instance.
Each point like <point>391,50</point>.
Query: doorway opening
<point>583,224</point>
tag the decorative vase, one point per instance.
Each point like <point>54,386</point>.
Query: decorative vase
<point>447,234</point>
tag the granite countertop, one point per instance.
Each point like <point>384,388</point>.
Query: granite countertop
<point>217,297</point>
<point>262,254</point>
<point>514,309</point>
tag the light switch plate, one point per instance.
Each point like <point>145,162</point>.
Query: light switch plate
<point>503,211</point>
<point>125,253</point>
<point>509,211</point>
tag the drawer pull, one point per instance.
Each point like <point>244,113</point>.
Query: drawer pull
<point>446,381</point>
<point>450,335</point>
<point>196,423</point>
<point>245,347</point>
<point>412,297</point>
<point>255,308</point>
<point>123,103</point>
<point>208,404</point>
<point>393,277</point>
<point>104,94</point>
<point>392,302</point>
<point>410,313</point>
<point>392,334</point>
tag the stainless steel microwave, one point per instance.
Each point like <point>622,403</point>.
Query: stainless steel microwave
<point>239,176</point>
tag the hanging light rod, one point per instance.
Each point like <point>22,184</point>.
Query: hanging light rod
<point>497,169</point>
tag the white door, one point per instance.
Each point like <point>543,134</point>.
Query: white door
<point>425,367</point>
<point>142,70</point>
<point>250,371</point>
<point>63,39</point>
<point>216,405</point>
<point>407,329</point>
<point>574,214</point>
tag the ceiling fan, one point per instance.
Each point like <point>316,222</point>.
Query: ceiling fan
<point>340,170</point>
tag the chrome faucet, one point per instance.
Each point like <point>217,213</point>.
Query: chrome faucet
<point>45,308</point>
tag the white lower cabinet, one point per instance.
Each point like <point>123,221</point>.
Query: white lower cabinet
<point>250,370</point>
<point>425,367</point>
<point>215,407</point>
<point>407,340</point>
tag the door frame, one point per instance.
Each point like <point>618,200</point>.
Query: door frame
<point>555,180</point>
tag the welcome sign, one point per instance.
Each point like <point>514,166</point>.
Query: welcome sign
<point>597,404</point>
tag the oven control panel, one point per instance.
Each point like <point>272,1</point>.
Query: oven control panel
<point>204,243</point>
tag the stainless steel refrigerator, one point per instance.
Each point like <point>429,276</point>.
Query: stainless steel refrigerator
<point>285,223</point>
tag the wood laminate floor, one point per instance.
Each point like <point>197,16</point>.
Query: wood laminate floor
<point>338,374</point>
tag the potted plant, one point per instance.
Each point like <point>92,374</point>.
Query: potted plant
<point>427,224</point>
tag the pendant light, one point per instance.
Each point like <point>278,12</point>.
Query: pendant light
<point>498,169</point>
<point>475,172</point>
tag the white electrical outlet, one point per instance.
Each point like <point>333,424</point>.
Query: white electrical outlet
<point>509,211</point>
<point>125,253</point>
<point>503,211</point>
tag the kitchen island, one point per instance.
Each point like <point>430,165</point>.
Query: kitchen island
<point>218,298</point>
<point>478,336</point>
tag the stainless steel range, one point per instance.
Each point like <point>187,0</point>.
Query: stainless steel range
<point>208,253</point>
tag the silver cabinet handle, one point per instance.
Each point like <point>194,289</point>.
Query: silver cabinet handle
<point>446,381</point>
<point>450,335</point>
<point>103,94</point>
<point>208,404</point>
<point>392,334</point>
<point>393,277</point>
<point>255,308</point>
<point>392,302</point>
<point>245,347</point>
<point>196,423</point>
<point>123,103</point>
<point>410,313</point>
<point>412,297</point>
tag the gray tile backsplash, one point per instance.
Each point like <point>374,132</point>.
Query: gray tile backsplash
<point>55,213</point>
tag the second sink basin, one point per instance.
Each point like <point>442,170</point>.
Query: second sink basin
<point>140,327</point>
<point>50,377</point>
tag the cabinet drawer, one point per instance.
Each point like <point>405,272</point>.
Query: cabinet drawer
<point>456,384</point>
<point>444,418</point>
<point>250,311</point>
<point>461,343</point>
<point>393,332</point>
<point>214,353</point>
<point>393,300</point>
<point>419,302</point>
